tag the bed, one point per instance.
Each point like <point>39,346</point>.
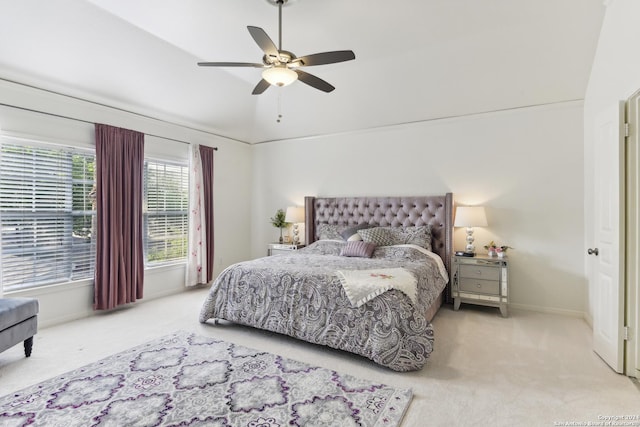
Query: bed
<point>312,294</point>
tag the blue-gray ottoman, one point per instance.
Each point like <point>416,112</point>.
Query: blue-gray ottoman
<point>18,322</point>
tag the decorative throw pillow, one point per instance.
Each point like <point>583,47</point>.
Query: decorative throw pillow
<point>329,231</point>
<point>420,236</point>
<point>351,233</point>
<point>381,236</point>
<point>388,236</point>
<point>358,249</point>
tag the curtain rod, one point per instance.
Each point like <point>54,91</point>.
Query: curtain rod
<point>91,123</point>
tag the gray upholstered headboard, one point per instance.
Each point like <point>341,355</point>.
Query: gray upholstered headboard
<point>387,211</point>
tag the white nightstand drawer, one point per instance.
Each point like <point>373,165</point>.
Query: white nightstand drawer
<point>480,272</point>
<point>480,297</point>
<point>489,287</point>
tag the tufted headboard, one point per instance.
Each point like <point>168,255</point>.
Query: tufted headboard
<point>387,211</point>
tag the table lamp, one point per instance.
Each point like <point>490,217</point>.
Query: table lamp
<point>470,216</point>
<point>295,215</point>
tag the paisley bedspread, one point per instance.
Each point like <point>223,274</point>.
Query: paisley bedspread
<point>299,295</point>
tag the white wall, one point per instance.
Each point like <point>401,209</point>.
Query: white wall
<point>524,165</point>
<point>615,76</point>
<point>232,182</point>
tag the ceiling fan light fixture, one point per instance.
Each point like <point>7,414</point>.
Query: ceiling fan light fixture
<point>279,76</point>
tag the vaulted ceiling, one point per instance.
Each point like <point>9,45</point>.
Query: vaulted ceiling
<point>415,59</point>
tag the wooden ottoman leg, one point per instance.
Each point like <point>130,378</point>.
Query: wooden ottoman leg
<point>28,345</point>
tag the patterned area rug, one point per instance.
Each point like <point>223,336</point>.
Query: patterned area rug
<point>190,380</point>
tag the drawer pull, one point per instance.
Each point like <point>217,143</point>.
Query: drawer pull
<point>478,285</point>
<point>479,272</point>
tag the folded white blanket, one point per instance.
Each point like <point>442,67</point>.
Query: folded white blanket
<point>363,285</point>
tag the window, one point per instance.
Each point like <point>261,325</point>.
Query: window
<point>166,193</point>
<point>46,213</point>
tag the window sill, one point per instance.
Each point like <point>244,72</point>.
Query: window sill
<point>167,266</point>
<point>49,289</point>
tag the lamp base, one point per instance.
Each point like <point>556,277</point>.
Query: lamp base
<point>296,237</point>
<point>470,248</point>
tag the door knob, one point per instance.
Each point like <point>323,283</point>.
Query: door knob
<point>593,251</point>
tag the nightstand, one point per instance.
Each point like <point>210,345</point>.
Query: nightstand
<point>481,280</point>
<point>282,248</point>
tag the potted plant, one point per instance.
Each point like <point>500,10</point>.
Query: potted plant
<point>493,249</point>
<point>502,250</point>
<point>278,221</point>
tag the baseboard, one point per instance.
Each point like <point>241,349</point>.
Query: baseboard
<point>589,319</point>
<point>549,310</point>
<point>44,322</point>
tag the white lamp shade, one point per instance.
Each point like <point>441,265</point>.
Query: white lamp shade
<point>470,216</point>
<point>279,76</point>
<point>295,214</point>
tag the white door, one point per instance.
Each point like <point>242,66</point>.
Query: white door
<point>607,253</point>
<point>632,233</point>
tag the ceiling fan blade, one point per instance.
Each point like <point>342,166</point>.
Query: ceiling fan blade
<point>260,87</point>
<point>263,40</point>
<point>314,81</point>
<point>326,58</point>
<point>230,64</point>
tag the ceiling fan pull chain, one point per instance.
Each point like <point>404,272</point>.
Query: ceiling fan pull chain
<point>279,107</point>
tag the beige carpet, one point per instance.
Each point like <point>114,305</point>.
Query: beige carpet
<point>530,369</point>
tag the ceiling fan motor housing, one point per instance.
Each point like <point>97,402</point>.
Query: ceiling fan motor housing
<point>284,57</point>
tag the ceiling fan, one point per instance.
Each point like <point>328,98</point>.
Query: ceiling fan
<point>281,67</point>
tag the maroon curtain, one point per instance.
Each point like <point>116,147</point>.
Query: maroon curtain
<point>206,156</point>
<point>119,254</point>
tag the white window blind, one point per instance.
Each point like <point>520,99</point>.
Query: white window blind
<point>46,213</point>
<point>166,190</point>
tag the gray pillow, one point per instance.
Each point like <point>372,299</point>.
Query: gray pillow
<point>420,236</point>
<point>351,233</point>
<point>358,249</point>
<point>381,236</point>
<point>388,236</point>
<point>330,231</point>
